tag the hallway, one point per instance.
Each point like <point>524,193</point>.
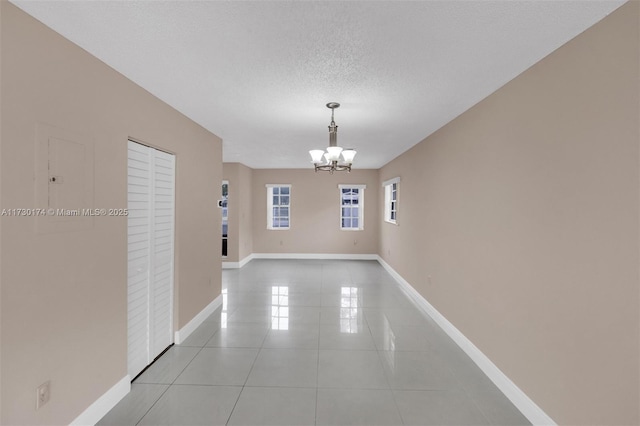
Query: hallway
<point>303,342</point>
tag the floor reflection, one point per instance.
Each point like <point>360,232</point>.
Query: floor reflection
<point>349,310</point>
<point>280,307</point>
<point>389,345</point>
<point>223,313</point>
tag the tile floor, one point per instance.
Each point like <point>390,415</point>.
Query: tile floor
<point>301,342</point>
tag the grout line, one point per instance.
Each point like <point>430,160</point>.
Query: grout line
<point>475,404</point>
<point>322,291</point>
<point>235,404</point>
<point>327,282</point>
<point>384,372</point>
<point>318,364</point>
<point>188,364</point>
<point>248,374</point>
<point>172,383</point>
<point>153,405</point>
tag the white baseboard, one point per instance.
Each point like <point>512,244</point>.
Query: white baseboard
<point>522,402</point>
<point>245,260</point>
<point>237,265</point>
<point>184,332</point>
<point>320,256</point>
<point>104,404</point>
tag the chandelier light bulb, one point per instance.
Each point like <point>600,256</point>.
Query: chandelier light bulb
<point>334,153</point>
<point>348,155</point>
<point>316,155</point>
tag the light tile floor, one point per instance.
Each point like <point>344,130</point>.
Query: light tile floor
<point>314,342</point>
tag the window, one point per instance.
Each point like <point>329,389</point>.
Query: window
<point>391,200</point>
<point>352,207</point>
<point>278,206</point>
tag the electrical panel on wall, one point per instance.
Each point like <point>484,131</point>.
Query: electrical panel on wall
<point>64,180</point>
<point>66,175</point>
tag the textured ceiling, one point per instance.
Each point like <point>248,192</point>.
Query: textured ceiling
<point>258,74</point>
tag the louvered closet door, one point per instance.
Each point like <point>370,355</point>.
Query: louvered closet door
<point>139,253</point>
<point>162,251</point>
<point>151,194</point>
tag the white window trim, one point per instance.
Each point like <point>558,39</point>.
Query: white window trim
<point>390,181</point>
<point>360,206</point>
<point>387,199</point>
<point>270,206</point>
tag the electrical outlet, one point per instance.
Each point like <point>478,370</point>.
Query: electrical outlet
<point>43,393</point>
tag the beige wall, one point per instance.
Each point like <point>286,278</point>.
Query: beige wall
<point>315,213</point>
<point>524,213</point>
<point>244,194</point>
<point>64,294</point>
<point>1,204</point>
<point>240,242</point>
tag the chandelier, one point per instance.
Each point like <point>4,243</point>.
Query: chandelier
<point>329,161</point>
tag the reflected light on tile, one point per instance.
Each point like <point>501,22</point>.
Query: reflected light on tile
<point>389,343</point>
<point>223,314</point>
<point>279,307</point>
<point>349,310</point>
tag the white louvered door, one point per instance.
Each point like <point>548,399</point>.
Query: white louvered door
<point>151,195</point>
<point>139,256</point>
<point>162,252</point>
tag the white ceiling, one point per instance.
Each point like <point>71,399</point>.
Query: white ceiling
<point>258,74</point>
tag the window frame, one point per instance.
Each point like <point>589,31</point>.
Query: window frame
<point>270,206</point>
<point>391,188</point>
<point>360,188</point>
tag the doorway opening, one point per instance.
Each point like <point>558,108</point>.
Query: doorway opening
<point>225,216</point>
